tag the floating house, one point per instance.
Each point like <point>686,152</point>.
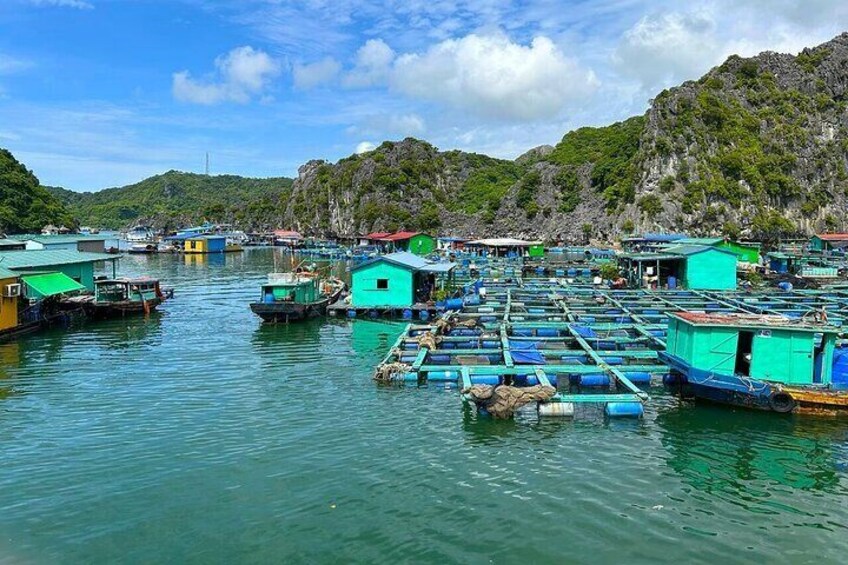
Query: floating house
<point>764,362</point>
<point>412,242</point>
<point>451,243</point>
<point>373,238</point>
<point>10,292</point>
<point>507,247</point>
<point>287,237</point>
<point>11,245</point>
<point>825,242</point>
<point>205,244</point>
<point>396,280</point>
<point>695,267</point>
<point>745,252</point>
<point>76,265</point>
<point>65,242</point>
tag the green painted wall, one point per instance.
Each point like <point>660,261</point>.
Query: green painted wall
<point>422,244</point>
<point>816,243</point>
<point>710,270</point>
<point>747,253</point>
<point>83,273</point>
<point>364,291</point>
<point>779,355</point>
<point>536,251</point>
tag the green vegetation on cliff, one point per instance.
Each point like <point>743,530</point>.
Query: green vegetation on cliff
<point>25,205</point>
<point>182,198</point>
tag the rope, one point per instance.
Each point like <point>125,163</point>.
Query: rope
<point>388,372</point>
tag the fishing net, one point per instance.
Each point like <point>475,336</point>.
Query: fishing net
<point>429,340</point>
<point>502,401</point>
<point>389,372</point>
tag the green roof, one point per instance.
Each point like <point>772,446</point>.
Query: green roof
<point>51,284</point>
<point>62,238</point>
<point>50,258</point>
<point>708,241</point>
<point>688,250</point>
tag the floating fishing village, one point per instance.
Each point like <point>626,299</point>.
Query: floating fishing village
<point>512,324</point>
<point>479,282</point>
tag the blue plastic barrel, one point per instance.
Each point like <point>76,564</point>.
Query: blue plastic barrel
<point>454,304</point>
<point>613,360</point>
<point>439,359</point>
<point>410,377</point>
<point>493,380</point>
<point>424,315</point>
<point>672,283</point>
<point>572,272</point>
<point>624,409</point>
<point>638,377</point>
<point>351,313</point>
<point>522,332</point>
<point>442,376</point>
<point>491,344</point>
<point>407,314</point>
<point>547,332</point>
<point>594,379</point>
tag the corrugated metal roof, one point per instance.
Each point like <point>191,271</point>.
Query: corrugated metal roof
<point>709,241</point>
<point>400,236</point>
<point>51,284</point>
<point>59,239</point>
<point>687,250</point>
<point>7,274</point>
<point>6,242</point>
<point>833,236</point>
<point>50,258</point>
<point>504,242</point>
<point>409,261</point>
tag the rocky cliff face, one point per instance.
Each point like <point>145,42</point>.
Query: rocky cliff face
<point>758,146</point>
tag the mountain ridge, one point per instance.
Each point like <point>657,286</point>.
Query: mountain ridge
<point>757,146</point>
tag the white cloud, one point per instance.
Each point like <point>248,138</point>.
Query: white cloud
<point>315,74</point>
<point>9,65</point>
<point>373,64</point>
<point>493,77</point>
<point>78,4</point>
<point>661,50</point>
<point>365,147</point>
<point>240,74</point>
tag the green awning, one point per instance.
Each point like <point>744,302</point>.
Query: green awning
<point>51,284</point>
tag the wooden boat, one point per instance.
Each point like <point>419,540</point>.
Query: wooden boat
<point>121,297</point>
<point>289,297</point>
<point>764,362</point>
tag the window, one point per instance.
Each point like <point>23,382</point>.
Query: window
<point>382,284</point>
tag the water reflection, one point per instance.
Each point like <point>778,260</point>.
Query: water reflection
<point>743,455</point>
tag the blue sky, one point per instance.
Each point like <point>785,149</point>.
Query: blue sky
<point>99,93</point>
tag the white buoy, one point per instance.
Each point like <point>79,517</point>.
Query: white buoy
<point>557,409</point>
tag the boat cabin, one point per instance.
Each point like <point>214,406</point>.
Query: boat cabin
<point>767,347</point>
<point>290,287</point>
<point>126,290</point>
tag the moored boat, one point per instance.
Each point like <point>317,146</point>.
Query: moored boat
<point>289,297</point>
<point>122,297</point>
<point>764,362</point>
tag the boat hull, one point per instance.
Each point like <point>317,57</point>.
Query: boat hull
<point>285,312</point>
<point>745,392</point>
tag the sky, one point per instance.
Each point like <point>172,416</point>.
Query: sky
<point>100,93</point>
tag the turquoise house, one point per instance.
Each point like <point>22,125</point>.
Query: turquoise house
<point>77,265</point>
<point>695,267</point>
<point>396,280</point>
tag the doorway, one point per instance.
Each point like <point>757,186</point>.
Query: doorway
<point>744,346</point>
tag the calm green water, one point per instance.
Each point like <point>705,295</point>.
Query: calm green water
<point>199,436</point>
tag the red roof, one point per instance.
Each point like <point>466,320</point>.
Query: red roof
<point>287,234</point>
<point>401,236</point>
<point>833,236</point>
<point>378,235</point>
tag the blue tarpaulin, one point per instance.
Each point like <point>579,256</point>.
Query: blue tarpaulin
<point>584,331</point>
<point>525,353</point>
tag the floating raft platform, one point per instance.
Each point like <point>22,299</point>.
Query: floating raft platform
<point>594,345</point>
